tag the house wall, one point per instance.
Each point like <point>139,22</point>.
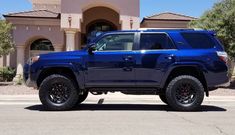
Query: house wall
<point>51,5</point>
<point>164,24</point>
<point>75,10</point>
<point>27,31</point>
<point>121,6</point>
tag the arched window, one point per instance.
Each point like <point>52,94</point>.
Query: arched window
<point>42,45</point>
<point>101,26</point>
<point>97,27</point>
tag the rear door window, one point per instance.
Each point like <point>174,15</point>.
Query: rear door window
<point>155,41</point>
<point>199,40</point>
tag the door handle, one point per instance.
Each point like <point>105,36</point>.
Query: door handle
<point>128,58</point>
<point>170,57</point>
<point>128,63</point>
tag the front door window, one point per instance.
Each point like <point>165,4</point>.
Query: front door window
<point>115,42</point>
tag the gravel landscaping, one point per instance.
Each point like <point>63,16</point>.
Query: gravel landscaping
<point>17,90</point>
<point>23,90</point>
<point>223,92</point>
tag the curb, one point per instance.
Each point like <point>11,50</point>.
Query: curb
<point>6,83</point>
<point>110,97</point>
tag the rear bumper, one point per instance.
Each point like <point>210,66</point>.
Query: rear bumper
<point>218,80</point>
<point>223,85</point>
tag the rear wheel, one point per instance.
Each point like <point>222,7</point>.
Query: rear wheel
<point>185,93</point>
<point>58,93</point>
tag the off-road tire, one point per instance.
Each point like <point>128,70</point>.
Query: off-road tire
<point>48,85</point>
<point>173,88</point>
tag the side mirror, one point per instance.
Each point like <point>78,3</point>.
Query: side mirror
<point>91,49</point>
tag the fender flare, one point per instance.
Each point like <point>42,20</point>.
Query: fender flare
<point>74,69</point>
<point>196,65</point>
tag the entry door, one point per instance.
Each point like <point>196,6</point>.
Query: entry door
<point>155,55</point>
<point>112,63</point>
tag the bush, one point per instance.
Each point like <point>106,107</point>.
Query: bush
<point>6,42</point>
<point>7,74</point>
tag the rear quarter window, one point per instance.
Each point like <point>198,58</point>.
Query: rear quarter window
<point>199,40</point>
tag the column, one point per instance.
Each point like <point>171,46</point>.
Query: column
<point>8,60</point>
<point>20,63</point>
<point>70,40</point>
<point>125,22</point>
<point>129,22</point>
<point>1,61</point>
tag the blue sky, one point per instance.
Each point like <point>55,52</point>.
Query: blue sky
<point>193,8</point>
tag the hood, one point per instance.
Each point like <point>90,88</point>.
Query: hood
<point>63,55</point>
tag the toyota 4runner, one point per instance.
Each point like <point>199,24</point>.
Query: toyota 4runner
<point>179,65</point>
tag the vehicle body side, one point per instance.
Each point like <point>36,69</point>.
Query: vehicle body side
<point>150,68</point>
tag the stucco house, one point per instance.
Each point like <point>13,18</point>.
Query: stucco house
<point>66,25</point>
<point>166,20</point>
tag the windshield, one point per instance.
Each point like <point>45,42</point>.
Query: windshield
<point>94,40</point>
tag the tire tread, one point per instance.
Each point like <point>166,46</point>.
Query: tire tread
<point>174,105</point>
<point>49,106</point>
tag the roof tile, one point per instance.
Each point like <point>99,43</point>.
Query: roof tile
<point>36,14</point>
<point>171,16</point>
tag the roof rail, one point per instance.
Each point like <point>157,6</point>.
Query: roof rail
<point>146,29</point>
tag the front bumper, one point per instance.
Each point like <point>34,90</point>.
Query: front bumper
<point>27,77</point>
<point>30,83</point>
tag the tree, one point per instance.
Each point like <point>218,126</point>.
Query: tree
<point>221,18</point>
<point>6,43</point>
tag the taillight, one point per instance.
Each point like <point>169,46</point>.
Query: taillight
<point>223,56</point>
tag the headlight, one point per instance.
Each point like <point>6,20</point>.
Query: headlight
<point>34,59</point>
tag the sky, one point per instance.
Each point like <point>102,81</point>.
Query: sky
<point>193,8</point>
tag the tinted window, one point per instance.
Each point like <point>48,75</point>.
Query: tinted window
<point>116,42</point>
<point>155,42</point>
<point>199,40</point>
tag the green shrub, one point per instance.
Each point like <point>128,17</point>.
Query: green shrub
<point>7,74</point>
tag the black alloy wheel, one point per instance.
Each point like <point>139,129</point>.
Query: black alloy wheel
<point>185,93</point>
<point>58,93</point>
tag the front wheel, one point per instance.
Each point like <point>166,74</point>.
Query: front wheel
<point>58,93</point>
<point>185,93</point>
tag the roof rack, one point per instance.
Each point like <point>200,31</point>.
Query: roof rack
<point>149,29</point>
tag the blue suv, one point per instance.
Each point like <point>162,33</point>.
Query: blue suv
<point>179,65</point>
